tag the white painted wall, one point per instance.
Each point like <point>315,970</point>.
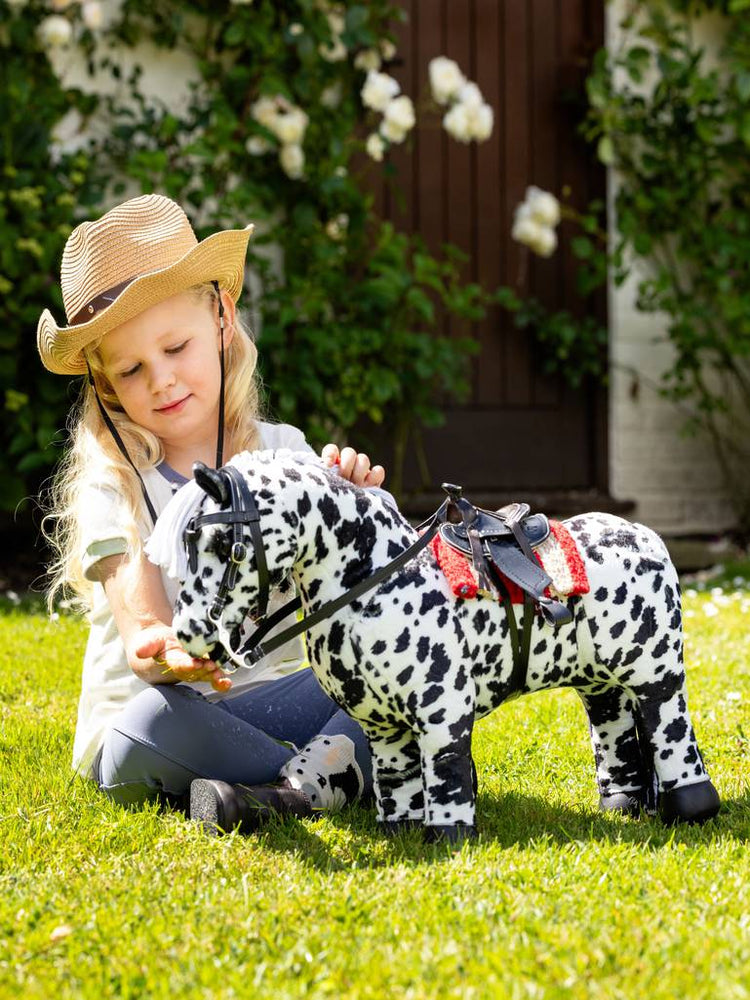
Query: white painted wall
<point>674,479</point>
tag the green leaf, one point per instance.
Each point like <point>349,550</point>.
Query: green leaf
<point>742,81</point>
<point>582,247</point>
<point>642,244</point>
<point>605,151</point>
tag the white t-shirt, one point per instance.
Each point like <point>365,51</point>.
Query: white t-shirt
<point>108,683</point>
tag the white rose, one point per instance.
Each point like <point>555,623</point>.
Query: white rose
<point>378,90</point>
<point>334,51</point>
<point>93,16</point>
<point>375,147</point>
<point>367,59</point>
<point>456,123</point>
<point>290,128</point>
<point>295,29</point>
<point>525,229</point>
<point>336,22</point>
<point>546,244</point>
<point>335,228</point>
<point>481,120</point>
<point>543,206</point>
<point>392,132</point>
<point>446,79</point>
<point>387,49</point>
<point>55,31</point>
<point>533,234</point>
<point>399,113</point>
<point>470,95</point>
<point>256,145</point>
<point>331,96</point>
<point>265,111</point>
<point>292,160</point>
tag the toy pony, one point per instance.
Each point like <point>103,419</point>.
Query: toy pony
<point>391,642</point>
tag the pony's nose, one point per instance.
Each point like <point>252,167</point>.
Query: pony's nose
<point>191,637</point>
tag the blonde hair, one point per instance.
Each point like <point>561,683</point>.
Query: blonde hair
<point>94,458</point>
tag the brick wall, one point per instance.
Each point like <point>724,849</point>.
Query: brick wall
<point>673,478</point>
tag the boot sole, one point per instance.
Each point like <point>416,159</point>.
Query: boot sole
<point>213,804</point>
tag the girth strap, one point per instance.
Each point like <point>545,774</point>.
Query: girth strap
<point>499,547</point>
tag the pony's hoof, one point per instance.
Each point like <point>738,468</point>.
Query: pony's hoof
<point>449,834</point>
<point>392,828</point>
<point>627,803</point>
<point>689,803</point>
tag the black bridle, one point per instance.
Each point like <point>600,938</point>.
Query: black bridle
<point>243,510</point>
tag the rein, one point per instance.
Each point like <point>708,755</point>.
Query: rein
<point>244,510</point>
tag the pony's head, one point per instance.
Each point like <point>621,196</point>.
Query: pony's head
<point>239,542</point>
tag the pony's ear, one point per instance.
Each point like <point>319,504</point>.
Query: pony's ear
<point>212,481</point>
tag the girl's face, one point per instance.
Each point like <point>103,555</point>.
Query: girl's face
<point>164,367</point>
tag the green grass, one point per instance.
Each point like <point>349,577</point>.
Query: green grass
<point>554,900</point>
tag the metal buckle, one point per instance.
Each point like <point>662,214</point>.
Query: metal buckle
<point>239,552</point>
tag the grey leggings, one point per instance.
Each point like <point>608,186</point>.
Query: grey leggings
<point>170,734</point>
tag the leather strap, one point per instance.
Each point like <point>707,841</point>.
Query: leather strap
<point>243,511</point>
<point>102,301</point>
<point>254,649</point>
<point>520,645</point>
<point>121,444</point>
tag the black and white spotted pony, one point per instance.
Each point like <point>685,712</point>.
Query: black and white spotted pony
<point>416,665</point>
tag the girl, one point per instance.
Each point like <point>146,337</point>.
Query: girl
<point>152,323</point>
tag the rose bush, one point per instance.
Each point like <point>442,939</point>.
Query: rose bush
<point>275,131</point>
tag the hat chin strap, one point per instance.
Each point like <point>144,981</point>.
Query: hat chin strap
<point>220,436</point>
<point>121,444</point>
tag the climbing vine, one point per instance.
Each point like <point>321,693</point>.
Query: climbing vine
<point>670,112</point>
<point>290,111</point>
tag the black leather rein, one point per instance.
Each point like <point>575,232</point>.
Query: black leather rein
<point>244,510</point>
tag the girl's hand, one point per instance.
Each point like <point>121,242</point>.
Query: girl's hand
<point>159,644</point>
<point>354,466</point>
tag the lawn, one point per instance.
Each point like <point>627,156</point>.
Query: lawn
<point>554,900</point>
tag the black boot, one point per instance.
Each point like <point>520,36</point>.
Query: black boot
<point>220,806</point>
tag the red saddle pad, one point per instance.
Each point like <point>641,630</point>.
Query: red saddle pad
<point>558,556</point>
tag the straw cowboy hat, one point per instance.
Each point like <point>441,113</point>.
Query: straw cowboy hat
<point>138,254</point>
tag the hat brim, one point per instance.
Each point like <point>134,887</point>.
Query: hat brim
<point>220,257</point>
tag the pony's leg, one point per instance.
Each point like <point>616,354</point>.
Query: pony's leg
<point>685,790</point>
<point>449,781</point>
<point>629,630</point>
<point>624,769</point>
<point>642,652</point>
<point>397,778</point>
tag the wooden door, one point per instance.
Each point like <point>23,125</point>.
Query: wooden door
<point>521,433</point>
